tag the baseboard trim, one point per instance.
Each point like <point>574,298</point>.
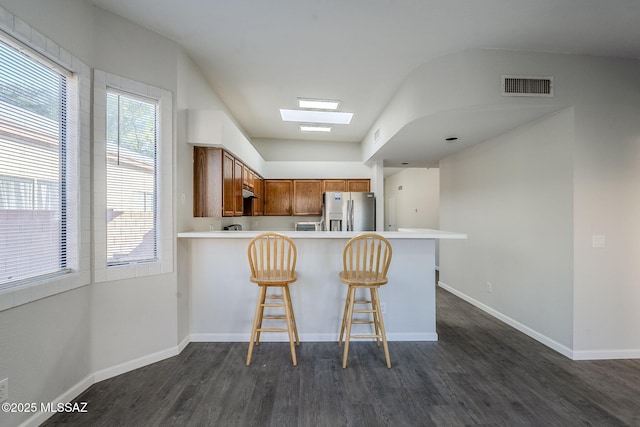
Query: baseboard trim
<point>606,354</point>
<point>183,344</point>
<point>554,345</point>
<point>75,391</point>
<point>113,371</point>
<point>319,337</point>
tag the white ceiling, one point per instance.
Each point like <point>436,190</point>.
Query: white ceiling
<point>260,56</point>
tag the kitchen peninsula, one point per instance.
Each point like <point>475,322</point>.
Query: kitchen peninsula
<point>222,300</point>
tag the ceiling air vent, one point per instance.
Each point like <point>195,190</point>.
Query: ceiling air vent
<point>527,85</point>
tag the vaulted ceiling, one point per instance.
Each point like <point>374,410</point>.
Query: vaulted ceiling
<point>260,56</point>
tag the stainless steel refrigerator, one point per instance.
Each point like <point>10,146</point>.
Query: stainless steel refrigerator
<point>342,211</point>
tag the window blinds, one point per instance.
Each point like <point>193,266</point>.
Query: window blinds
<point>131,178</point>
<point>33,124</point>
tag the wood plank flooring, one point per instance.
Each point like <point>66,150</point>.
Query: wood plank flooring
<point>480,372</point>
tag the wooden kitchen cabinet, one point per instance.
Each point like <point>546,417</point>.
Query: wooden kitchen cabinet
<point>248,178</point>
<point>238,201</point>
<point>207,182</point>
<point>345,185</point>
<point>307,197</point>
<point>258,203</point>
<point>228,187</point>
<point>278,196</point>
<point>334,185</point>
<point>217,183</point>
<point>358,185</point>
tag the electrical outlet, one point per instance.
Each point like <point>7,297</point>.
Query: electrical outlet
<point>383,307</point>
<point>4,390</point>
<point>489,287</point>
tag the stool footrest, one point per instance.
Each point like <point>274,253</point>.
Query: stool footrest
<point>362,301</point>
<point>363,322</point>
<point>272,330</point>
<point>366,336</point>
<point>275,317</point>
<point>272,305</point>
<point>365,310</point>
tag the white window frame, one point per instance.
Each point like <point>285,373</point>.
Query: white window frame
<point>165,236</point>
<point>78,161</point>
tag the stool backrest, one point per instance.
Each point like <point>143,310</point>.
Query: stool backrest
<point>272,256</point>
<point>367,256</point>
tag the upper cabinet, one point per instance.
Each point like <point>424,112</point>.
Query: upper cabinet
<point>334,185</point>
<point>228,187</point>
<point>357,185</point>
<point>307,197</point>
<point>207,182</point>
<point>257,204</point>
<point>218,179</point>
<point>345,185</point>
<point>238,200</point>
<point>278,195</point>
<point>304,196</point>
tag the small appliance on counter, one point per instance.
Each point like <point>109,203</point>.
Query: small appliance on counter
<point>233,227</point>
<point>308,226</point>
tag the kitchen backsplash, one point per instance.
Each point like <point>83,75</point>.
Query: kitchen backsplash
<point>260,223</point>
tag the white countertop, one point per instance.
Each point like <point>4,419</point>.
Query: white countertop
<point>405,234</point>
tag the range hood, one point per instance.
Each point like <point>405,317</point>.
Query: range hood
<point>248,194</point>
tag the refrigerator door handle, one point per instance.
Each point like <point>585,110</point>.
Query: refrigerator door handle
<point>351,215</point>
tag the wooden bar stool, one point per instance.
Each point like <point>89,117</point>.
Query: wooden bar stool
<point>365,260</point>
<point>272,258</point>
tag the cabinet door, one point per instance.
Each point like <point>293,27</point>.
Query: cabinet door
<point>248,178</point>
<point>238,202</point>
<point>228,193</point>
<point>358,185</point>
<point>334,185</point>
<point>307,197</point>
<point>277,196</point>
<point>207,182</point>
<point>258,204</point>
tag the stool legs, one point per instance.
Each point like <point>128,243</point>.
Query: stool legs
<point>351,297</point>
<point>257,322</point>
<point>374,291</point>
<point>291,326</point>
<point>289,317</point>
<point>293,316</point>
<point>378,322</point>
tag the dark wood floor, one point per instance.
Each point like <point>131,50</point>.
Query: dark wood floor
<point>480,372</point>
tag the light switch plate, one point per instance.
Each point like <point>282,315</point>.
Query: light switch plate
<point>598,241</point>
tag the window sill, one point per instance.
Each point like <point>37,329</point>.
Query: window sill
<point>24,294</point>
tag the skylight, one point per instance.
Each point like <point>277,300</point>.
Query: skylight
<point>315,128</point>
<point>318,104</point>
<point>315,116</point>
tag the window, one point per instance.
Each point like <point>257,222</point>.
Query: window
<point>131,146</point>
<point>132,179</point>
<point>34,119</point>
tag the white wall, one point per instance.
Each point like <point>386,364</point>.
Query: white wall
<point>279,150</point>
<point>513,197</point>
<point>417,198</point>
<point>194,92</point>
<point>604,97</point>
<point>53,346</point>
<point>607,203</point>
